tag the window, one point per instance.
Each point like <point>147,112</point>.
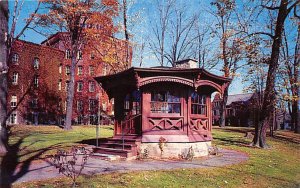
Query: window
<point>36,63</point>
<point>91,86</point>
<point>165,102</point>
<point>34,103</point>
<point>92,104</point>
<point>67,85</point>
<point>36,81</point>
<point>91,70</point>
<point>15,78</point>
<point>79,54</point>
<point>198,103</point>
<point>68,70</point>
<point>60,69</point>
<point>13,118</point>
<point>13,101</point>
<point>66,103</point>
<point>80,119</point>
<point>68,54</point>
<point>92,119</point>
<point>79,86</point>
<point>15,58</point>
<point>136,102</point>
<point>79,70</point>
<point>79,106</point>
<point>59,85</point>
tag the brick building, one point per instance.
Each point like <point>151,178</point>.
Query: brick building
<point>38,82</point>
<point>33,96</point>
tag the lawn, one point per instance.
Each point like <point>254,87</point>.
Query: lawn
<point>278,166</point>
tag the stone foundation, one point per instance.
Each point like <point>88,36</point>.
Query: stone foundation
<point>171,149</point>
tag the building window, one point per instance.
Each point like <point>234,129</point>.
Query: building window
<point>36,63</point>
<point>79,86</point>
<point>93,119</point>
<point>80,119</point>
<point>79,70</point>
<point>198,103</point>
<point>165,102</point>
<point>66,103</point>
<point>36,81</point>
<point>92,104</point>
<point>91,70</point>
<point>68,54</point>
<point>34,103</point>
<point>79,105</point>
<point>15,78</point>
<point>15,58</point>
<point>59,85</point>
<point>91,86</point>
<point>13,118</point>
<point>68,70</point>
<point>79,54</point>
<point>67,85</point>
<point>60,69</point>
<point>13,101</point>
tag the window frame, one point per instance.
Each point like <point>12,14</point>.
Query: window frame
<point>79,86</point>
<point>165,102</point>
<point>15,78</point>
<point>198,105</point>
<point>36,63</point>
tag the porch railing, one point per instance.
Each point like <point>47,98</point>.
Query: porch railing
<point>130,122</point>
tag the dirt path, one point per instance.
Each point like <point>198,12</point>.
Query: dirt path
<point>43,170</point>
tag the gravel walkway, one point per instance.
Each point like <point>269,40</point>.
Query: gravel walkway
<point>43,170</point>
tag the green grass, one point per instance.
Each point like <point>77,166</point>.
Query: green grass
<point>51,138</point>
<point>278,166</point>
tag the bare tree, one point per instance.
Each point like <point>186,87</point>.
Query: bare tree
<point>181,34</point>
<point>283,8</point>
<point>159,28</point>
<point>230,43</point>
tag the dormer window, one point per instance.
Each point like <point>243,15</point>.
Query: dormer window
<point>15,58</point>
<point>36,63</point>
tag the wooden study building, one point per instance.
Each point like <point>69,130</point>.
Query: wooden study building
<point>151,104</point>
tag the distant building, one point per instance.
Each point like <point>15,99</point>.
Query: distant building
<point>39,77</point>
<point>239,109</point>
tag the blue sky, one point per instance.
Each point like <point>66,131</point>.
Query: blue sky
<point>147,11</point>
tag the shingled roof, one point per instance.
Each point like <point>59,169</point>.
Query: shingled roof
<point>239,98</point>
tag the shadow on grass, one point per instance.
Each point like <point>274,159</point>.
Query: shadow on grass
<point>92,142</point>
<point>11,167</point>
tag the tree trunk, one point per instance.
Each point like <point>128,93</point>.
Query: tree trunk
<point>223,109</point>
<point>296,103</point>
<point>3,75</point>
<point>71,88</point>
<point>126,33</point>
<point>269,95</point>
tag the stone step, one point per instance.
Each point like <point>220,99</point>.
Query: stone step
<point>113,151</point>
<point>107,157</point>
<point>118,145</point>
